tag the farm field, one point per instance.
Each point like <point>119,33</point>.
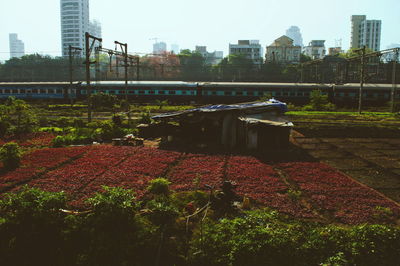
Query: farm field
<point>309,190</point>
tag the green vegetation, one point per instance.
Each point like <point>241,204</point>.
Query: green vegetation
<point>118,229</point>
<point>319,102</point>
<point>10,155</point>
<point>16,117</point>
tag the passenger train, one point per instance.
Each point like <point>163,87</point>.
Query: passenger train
<point>204,92</point>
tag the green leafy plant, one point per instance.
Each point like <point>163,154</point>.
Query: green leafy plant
<point>159,186</point>
<point>10,155</point>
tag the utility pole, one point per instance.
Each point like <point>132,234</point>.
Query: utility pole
<point>361,79</point>
<point>89,43</point>
<point>393,93</point>
<point>70,49</point>
<point>125,54</point>
<point>137,68</point>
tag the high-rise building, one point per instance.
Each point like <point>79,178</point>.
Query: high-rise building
<point>365,32</point>
<point>251,49</point>
<point>159,48</point>
<point>315,49</point>
<point>95,28</point>
<point>17,47</point>
<point>175,48</point>
<point>74,23</point>
<point>294,33</point>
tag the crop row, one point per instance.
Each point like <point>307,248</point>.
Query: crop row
<point>38,139</point>
<point>73,177</point>
<point>348,201</point>
<point>311,187</point>
<point>133,173</point>
<point>36,163</point>
<point>261,182</point>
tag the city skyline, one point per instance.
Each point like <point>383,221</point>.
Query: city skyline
<point>175,22</point>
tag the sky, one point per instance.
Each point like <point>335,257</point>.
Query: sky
<point>213,23</point>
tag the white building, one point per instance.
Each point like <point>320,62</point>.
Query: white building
<point>294,33</point>
<point>283,51</point>
<point>250,48</point>
<point>17,47</point>
<point>365,32</point>
<point>315,49</point>
<point>95,28</point>
<point>74,23</point>
<point>159,48</point>
<point>212,58</point>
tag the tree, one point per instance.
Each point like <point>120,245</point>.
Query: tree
<point>304,58</point>
<point>193,65</point>
<point>10,155</point>
<point>352,52</point>
<point>19,113</point>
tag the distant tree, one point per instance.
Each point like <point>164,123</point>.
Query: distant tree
<point>352,52</point>
<point>193,65</point>
<point>237,67</point>
<point>304,58</point>
<point>35,67</point>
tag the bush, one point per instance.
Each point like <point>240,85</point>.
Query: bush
<point>32,227</point>
<point>4,127</point>
<point>159,186</point>
<point>319,102</point>
<point>10,155</point>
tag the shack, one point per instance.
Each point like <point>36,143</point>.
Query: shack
<point>255,125</point>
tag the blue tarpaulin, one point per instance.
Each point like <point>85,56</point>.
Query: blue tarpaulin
<point>270,104</point>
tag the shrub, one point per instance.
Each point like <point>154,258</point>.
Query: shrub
<point>159,186</point>
<point>318,102</point>
<point>32,227</point>
<point>10,155</point>
<point>145,118</point>
<point>4,127</point>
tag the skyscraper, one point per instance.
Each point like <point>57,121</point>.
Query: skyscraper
<point>74,23</point>
<point>365,32</point>
<point>95,28</point>
<point>159,48</point>
<point>17,47</point>
<point>294,33</point>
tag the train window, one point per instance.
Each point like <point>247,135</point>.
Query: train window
<point>161,92</point>
<point>1,91</point>
<point>50,91</point>
<point>278,93</point>
<point>292,93</point>
<point>171,92</point>
<point>111,92</point>
<point>307,94</point>
<point>121,92</point>
<point>227,93</point>
<point>214,93</point>
<point>59,91</point>
<point>35,91</point>
<point>183,92</point>
<point>6,91</point>
<point>285,93</point>
<point>151,92</point>
<point>250,93</point>
<point>141,92</point>
<point>131,92</point>
<point>346,94</point>
<point>239,93</point>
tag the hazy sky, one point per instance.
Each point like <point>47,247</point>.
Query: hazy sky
<point>214,23</point>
